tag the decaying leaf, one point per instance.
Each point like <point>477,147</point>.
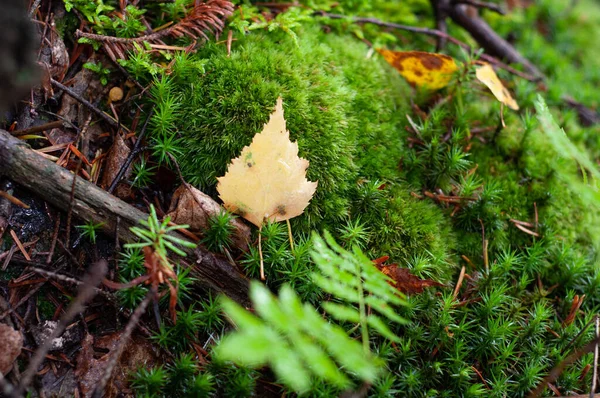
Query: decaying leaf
<point>429,70</point>
<point>404,281</point>
<point>117,156</point>
<point>194,208</point>
<point>93,358</point>
<point>11,342</point>
<point>487,76</point>
<point>268,180</point>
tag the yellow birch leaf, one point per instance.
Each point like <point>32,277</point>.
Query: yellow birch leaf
<point>430,70</point>
<point>268,180</point>
<point>487,76</point>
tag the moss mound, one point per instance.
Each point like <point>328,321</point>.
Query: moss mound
<point>343,107</point>
<point>377,174</point>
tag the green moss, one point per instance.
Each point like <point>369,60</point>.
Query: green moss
<point>347,109</point>
<point>344,106</point>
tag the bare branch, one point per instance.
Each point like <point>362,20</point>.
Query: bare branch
<point>86,292</point>
<point>482,4</point>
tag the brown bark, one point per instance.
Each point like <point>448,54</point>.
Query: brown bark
<point>53,183</point>
<point>487,38</point>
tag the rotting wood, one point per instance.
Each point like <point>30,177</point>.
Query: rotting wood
<point>53,183</point>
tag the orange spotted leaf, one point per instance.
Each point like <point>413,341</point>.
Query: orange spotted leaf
<point>429,70</point>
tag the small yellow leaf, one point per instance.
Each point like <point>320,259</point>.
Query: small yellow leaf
<point>430,70</point>
<point>268,180</point>
<point>487,76</point>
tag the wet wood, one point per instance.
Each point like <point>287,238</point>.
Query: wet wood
<point>53,183</point>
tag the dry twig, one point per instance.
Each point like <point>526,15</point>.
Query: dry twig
<point>86,293</point>
<point>203,18</point>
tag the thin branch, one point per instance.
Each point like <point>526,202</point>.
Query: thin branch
<point>86,292</point>
<point>482,4</point>
<point>203,18</point>
<point>558,369</point>
<point>116,353</point>
<point>85,102</point>
<point>38,129</point>
<point>132,154</point>
<point>491,41</point>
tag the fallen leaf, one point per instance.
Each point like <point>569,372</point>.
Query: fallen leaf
<point>11,343</point>
<point>194,208</point>
<point>430,70</point>
<point>268,180</point>
<point>487,76</point>
<point>117,156</point>
<point>405,281</point>
<point>95,354</point>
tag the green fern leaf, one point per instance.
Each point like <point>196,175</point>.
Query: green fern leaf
<point>352,277</point>
<point>294,340</point>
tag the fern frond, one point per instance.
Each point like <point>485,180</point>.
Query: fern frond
<point>352,277</point>
<point>294,340</point>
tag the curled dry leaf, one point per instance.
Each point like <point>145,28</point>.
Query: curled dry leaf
<point>487,76</point>
<point>11,343</point>
<point>194,208</point>
<point>404,281</point>
<point>268,180</point>
<point>429,70</point>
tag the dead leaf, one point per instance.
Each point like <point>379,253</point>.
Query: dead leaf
<point>268,180</point>
<point>429,70</point>
<point>487,76</point>
<point>91,368</point>
<point>117,155</point>
<point>11,343</point>
<point>194,208</point>
<point>405,281</point>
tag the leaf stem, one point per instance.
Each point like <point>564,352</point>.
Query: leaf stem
<point>363,313</point>
<point>262,265</point>
<point>290,235</point>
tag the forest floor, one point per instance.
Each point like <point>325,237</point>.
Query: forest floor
<point>482,212</point>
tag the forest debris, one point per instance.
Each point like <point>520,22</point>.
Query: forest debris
<point>202,18</point>
<point>20,245</point>
<point>91,203</point>
<point>429,70</point>
<point>268,180</point>
<point>55,57</point>
<point>192,207</point>
<point>13,200</point>
<point>89,370</point>
<point>574,310</point>
<point>11,343</point>
<point>117,156</point>
<point>42,331</point>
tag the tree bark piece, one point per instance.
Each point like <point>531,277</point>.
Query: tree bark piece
<point>25,167</point>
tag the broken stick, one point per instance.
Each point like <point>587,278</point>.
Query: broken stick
<point>53,183</point>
